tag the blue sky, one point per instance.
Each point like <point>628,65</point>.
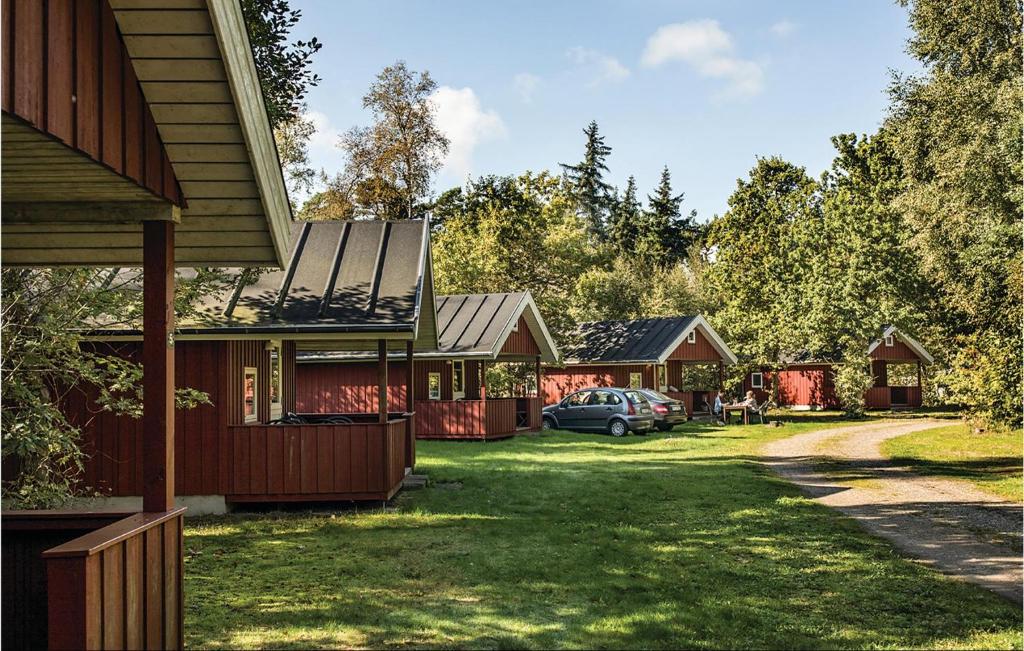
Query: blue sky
<point>704,87</point>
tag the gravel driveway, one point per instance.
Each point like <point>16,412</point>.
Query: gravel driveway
<point>947,524</point>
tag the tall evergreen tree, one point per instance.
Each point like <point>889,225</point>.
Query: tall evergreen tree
<point>586,181</point>
<point>625,220</point>
<point>667,234</point>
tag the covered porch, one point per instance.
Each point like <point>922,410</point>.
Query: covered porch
<point>92,176</point>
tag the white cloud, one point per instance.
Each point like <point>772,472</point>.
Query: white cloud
<point>461,117</point>
<point>326,136</point>
<point>526,85</point>
<point>783,28</point>
<point>709,50</point>
<point>604,68</point>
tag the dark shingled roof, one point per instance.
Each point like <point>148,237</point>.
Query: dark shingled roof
<point>472,323</point>
<point>342,276</point>
<point>640,340</point>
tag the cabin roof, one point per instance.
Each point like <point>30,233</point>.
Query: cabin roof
<point>472,325</point>
<point>638,341</point>
<point>806,357</point>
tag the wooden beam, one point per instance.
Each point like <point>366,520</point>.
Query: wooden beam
<point>537,372</point>
<point>483,380</point>
<point>158,367</point>
<point>410,394</point>
<point>98,212</point>
<point>382,380</point>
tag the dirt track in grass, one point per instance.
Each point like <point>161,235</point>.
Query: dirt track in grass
<point>947,524</point>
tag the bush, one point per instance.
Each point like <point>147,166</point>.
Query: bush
<point>852,381</point>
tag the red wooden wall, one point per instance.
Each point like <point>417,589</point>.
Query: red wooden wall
<point>699,351</point>
<point>898,351</point>
<point>560,382</point>
<point>799,386</point>
<point>67,73</point>
<point>521,342</point>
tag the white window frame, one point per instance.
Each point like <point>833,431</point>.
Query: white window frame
<point>757,383</point>
<point>662,376</point>
<point>459,393</point>
<point>890,341</point>
<point>639,377</point>
<point>276,405</point>
<point>255,416</point>
<point>691,338</point>
<point>431,395</point>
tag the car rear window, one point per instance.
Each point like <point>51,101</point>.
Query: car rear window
<point>636,398</point>
<point>657,395</point>
<point>604,398</point>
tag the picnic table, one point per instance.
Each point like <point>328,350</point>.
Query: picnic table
<point>742,409</point>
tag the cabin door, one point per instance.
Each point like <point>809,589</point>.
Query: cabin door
<point>898,396</point>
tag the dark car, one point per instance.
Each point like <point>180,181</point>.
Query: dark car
<point>615,411</point>
<point>668,412</point>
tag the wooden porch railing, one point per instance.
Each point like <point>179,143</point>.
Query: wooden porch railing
<point>529,413</point>
<point>112,580</point>
<point>466,419</point>
<point>361,461</point>
<point>888,397</point>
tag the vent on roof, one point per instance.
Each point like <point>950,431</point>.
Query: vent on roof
<point>378,265</point>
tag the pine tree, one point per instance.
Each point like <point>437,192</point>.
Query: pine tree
<point>586,179</point>
<point>625,220</point>
<point>667,234</point>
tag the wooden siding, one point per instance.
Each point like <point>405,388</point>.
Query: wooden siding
<point>521,341</point>
<point>352,388</point>
<point>104,581</point>
<point>699,351</point>
<point>68,76</point>
<point>303,462</point>
<point>898,351</point>
<point>813,386</point>
<point>560,382</point>
<point>466,419</point>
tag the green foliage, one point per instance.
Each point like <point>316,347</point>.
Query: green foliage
<point>957,132</point>
<point>283,67</point>
<point>586,182</point>
<point>666,235</point>
<point>852,380</point>
<point>43,360</point>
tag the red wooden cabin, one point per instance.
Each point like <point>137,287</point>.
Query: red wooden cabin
<point>807,383</point>
<point>680,356</point>
<point>452,397</point>
<point>241,352</point>
<point>130,138</point>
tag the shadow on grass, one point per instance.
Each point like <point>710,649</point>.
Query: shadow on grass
<point>556,542</point>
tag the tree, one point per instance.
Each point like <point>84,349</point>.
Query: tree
<point>586,181</point>
<point>391,164</point>
<point>666,235</point>
<point>283,67</point>
<point>956,132</point>
<point>626,219</point>
<point>292,140</point>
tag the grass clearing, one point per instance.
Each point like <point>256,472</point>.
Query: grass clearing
<point>991,460</point>
<point>579,541</point>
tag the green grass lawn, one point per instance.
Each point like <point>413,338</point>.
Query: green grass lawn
<point>579,541</point>
<point>991,460</point>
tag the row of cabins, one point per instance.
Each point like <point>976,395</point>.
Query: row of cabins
<point>135,135</point>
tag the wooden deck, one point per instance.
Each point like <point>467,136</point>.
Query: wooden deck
<point>119,578</point>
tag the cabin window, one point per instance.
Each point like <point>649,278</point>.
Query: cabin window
<point>636,380</point>
<point>458,379</point>
<point>889,342</point>
<point>662,378</point>
<point>249,400</point>
<point>756,380</point>
<point>692,337</point>
<point>434,386</point>
<point>275,379</point>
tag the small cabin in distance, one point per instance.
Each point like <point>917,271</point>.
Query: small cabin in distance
<point>680,356</point>
<point>807,382</point>
<point>452,398</point>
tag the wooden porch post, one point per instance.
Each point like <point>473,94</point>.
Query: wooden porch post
<point>382,380</point>
<point>536,370</point>
<point>158,366</point>
<point>483,380</point>
<point>410,398</point>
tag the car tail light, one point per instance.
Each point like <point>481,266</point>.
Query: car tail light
<point>659,409</point>
<point>632,410</point>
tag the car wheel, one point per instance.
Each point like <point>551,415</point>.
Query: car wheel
<point>547,423</point>
<point>617,428</point>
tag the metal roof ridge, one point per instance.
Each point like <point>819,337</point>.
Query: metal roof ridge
<point>378,264</point>
<point>332,276</point>
<point>286,282</point>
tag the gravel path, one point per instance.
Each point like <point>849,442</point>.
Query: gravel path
<point>949,525</point>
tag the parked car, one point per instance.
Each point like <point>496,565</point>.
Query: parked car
<point>668,412</point>
<point>616,411</point>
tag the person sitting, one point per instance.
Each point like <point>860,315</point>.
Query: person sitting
<point>716,410</point>
<point>750,402</point>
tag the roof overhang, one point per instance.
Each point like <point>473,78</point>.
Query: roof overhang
<point>527,309</point>
<point>912,344</point>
